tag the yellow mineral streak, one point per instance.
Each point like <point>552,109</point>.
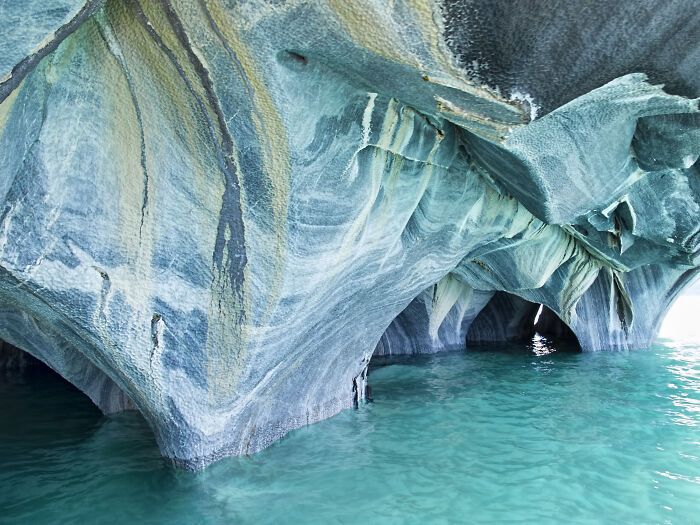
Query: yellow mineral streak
<point>377,168</point>
<point>149,67</point>
<point>228,330</point>
<point>486,127</point>
<point>366,22</point>
<point>125,144</point>
<point>226,334</point>
<point>386,162</point>
<point>272,133</point>
<point>371,25</point>
<point>124,138</point>
<point>6,107</point>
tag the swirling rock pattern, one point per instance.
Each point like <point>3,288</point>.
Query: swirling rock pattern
<point>213,210</point>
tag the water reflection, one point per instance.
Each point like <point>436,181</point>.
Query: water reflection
<point>540,345</point>
<point>684,367</point>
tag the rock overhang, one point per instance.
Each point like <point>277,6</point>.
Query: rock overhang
<point>219,209</point>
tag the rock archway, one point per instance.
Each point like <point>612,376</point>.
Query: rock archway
<point>218,208</point>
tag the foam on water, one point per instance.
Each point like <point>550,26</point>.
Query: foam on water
<point>518,434</point>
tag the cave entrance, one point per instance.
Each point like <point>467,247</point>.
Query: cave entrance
<point>56,363</point>
<point>40,410</point>
<point>548,324</point>
<point>18,367</point>
<point>17,364</point>
<point>36,400</point>
<point>679,322</point>
<point>508,318</point>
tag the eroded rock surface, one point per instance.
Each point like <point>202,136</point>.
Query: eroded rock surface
<point>213,210</point>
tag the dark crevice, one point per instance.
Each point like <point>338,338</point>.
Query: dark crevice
<point>623,303</point>
<point>506,318</point>
<point>299,59</point>
<point>16,360</point>
<point>552,327</point>
<point>28,63</point>
<point>107,33</point>
<point>361,391</point>
<point>18,365</point>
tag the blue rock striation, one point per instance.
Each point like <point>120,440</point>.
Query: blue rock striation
<point>216,212</point>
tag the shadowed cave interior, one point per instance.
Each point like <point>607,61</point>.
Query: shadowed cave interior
<point>509,318</point>
<point>19,364</point>
<point>506,322</point>
<point>14,360</point>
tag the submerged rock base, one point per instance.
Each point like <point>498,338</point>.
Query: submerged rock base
<point>217,212</point>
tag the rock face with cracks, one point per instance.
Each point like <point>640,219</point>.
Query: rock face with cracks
<point>216,211</point>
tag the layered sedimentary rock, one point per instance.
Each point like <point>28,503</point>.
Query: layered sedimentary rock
<point>213,211</point>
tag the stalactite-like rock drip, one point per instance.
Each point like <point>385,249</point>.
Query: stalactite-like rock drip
<point>212,210</point>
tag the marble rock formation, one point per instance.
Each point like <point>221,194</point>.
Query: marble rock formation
<point>212,209</point>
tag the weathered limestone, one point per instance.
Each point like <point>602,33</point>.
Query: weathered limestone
<point>213,210</point>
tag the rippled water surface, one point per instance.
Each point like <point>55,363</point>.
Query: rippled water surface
<point>511,434</point>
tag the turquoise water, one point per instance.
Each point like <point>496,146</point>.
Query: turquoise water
<point>516,435</point>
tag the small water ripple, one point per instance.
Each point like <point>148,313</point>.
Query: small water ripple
<point>527,434</point>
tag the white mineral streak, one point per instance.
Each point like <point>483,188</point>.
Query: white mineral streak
<point>445,294</point>
<point>367,119</point>
<point>217,212</point>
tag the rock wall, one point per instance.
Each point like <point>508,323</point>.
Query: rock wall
<point>213,210</point>
<point>437,320</point>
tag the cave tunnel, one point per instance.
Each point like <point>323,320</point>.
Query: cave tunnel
<point>508,318</point>
<point>18,367</point>
<point>15,361</point>
<point>40,409</point>
<point>55,363</point>
<point>548,324</point>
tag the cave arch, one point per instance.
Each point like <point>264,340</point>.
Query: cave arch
<point>509,318</point>
<point>506,318</point>
<point>550,325</point>
<point>687,287</point>
<point>436,320</point>
<point>23,341</point>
